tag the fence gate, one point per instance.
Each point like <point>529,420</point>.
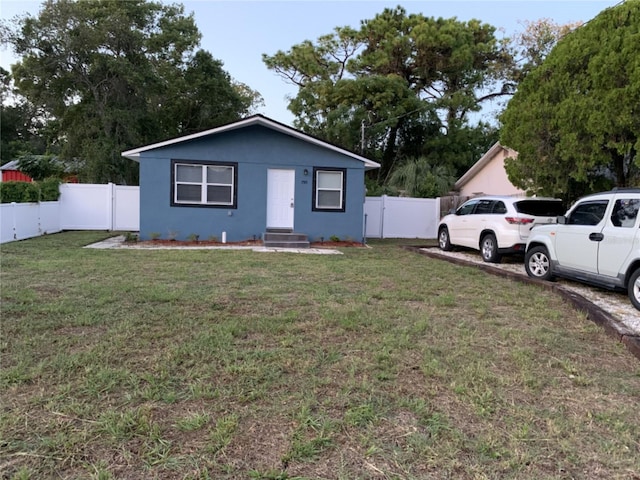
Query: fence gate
<point>99,207</point>
<point>401,217</point>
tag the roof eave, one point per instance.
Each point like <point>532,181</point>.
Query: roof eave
<point>476,167</point>
<point>134,157</point>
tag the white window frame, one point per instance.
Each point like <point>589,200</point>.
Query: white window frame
<point>203,184</point>
<point>316,189</point>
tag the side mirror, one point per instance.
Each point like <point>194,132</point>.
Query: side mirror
<point>452,211</point>
<point>562,220</point>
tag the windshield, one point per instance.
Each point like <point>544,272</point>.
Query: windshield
<point>540,208</point>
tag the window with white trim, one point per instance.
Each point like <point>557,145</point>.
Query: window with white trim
<point>329,189</point>
<point>204,184</point>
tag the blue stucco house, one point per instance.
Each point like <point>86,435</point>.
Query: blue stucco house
<point>247,178</point>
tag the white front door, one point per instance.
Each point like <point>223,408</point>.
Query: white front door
<point>280,195</point>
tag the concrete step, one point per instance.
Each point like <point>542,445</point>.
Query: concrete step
<point>285,239</point>
<point>286,244</point>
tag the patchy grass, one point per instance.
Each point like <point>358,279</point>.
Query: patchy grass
<point>378,363</point>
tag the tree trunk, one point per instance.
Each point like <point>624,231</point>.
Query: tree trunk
<point>388,156</point>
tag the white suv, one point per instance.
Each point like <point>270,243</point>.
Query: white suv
<point>596,242</point>
<point>496,225</point>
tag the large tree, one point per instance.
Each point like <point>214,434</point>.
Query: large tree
<point>114,75</point>
<point>395,86</point>
<point>417,177</point>
<point>22,126</point>
<point>574,119</point>
<point>531,46</point>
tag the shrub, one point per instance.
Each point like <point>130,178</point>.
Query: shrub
<point>49,189</point>
<point>10,192</point>
<point>23,192</point>
<point>19,192</point>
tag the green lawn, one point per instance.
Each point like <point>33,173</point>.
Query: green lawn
<point>379,363</point>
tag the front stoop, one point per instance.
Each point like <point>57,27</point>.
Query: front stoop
<point>284,239</point>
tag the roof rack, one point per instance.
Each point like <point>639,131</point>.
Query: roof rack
<point>626,189</point>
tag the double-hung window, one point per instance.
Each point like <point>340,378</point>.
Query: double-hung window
<point>209,184</point>
<point>329,189</point>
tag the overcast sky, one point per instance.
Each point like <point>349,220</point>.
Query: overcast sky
<point>239,32</point>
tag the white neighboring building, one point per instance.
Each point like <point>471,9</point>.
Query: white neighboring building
<point>487,176</point>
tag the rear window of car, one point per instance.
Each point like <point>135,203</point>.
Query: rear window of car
<point>540,208</point>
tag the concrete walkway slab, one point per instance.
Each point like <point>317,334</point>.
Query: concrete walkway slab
<point>119,243</point>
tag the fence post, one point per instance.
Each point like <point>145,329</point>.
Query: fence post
<point>364,230</point>
<point>382,216</point>
<point>39,218</point>
<point>13,218</point>
<point>110,202</point>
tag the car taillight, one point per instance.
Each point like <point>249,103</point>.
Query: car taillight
<point>518,221</point>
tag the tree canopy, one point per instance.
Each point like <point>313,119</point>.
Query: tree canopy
<point>399,87</point>
<point>22,128</point>
<point>114,75</point>
<point>574,119</point>
<point>417,177</point>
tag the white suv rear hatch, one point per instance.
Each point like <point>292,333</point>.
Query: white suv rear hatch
<point>535,212</point>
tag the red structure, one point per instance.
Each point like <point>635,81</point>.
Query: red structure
<point>9,173</point>
<point>15,176</point>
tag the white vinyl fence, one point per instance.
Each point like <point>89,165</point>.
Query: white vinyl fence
<point>117,207</point>
<point>401,217</point>
<point>25,220</point>
<point>80,207</point>
<point>99,207</point>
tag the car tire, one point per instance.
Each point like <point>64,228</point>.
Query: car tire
<point>537,263</point>
<point>444,242</point>
<point>489,248</point>
<point>634,288</point>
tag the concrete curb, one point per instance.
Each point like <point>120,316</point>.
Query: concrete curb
<point>630,339</point>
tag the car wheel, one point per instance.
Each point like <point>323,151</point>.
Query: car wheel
<point>489,248</point>
<point>537,263</point>
<point>443,240</point>
<point>634,288</point>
